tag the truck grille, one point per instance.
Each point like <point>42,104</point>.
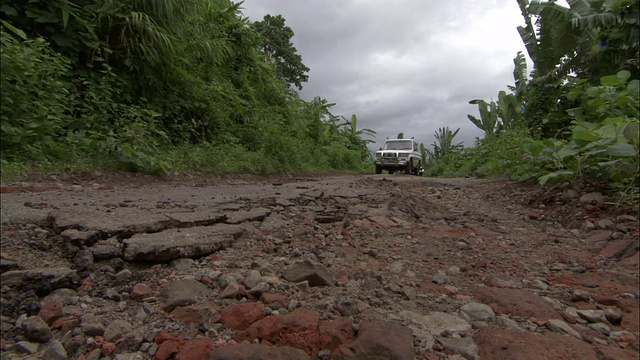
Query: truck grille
<point>390,155</point>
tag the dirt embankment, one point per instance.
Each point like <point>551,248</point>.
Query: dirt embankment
<point>113,266</point>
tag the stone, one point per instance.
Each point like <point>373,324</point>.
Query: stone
<point>231,291</point>
<point>173,244</point>
<point>204,315</point>
<point>379,340</point>
<point>116,329</point>
<point>257,352</point>
<point>592,316</point>
<point>440,278</point>
<point>497,343</point>
<point>436,322</point>
<point>84,259</point>
<point>92,326</point>
<point>593,197</point>
<point>504,321</point>
<point>522,302</point>
<point>601,328</point>
<point>252,278</point>
<point>315,273</point>
<point>50,312</point>
<point>195,349</point>
<point>26,347</point>
<point>562,327</point>
<point>183,293</point>
<point>141,291</point>
<point>36,329</point>
<point>53,350</point>
<point>613,315</point>
<point>240,316</point>
<point>54,278</point>
<point>476,311</point>
<point>464,346</point>
<point>182,264</point>
<point>580,295</point>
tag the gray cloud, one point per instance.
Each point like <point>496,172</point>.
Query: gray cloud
<point>406,66</point>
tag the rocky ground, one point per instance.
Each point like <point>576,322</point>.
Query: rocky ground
<point>121,266</point>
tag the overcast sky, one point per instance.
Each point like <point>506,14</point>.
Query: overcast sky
<point>408,66</point>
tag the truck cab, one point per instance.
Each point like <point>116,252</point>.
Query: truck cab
<point>399,155</point>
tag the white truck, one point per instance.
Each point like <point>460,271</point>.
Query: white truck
<point>399,155</point>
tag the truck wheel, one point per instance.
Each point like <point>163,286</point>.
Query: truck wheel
<point>408,169</point>
<point>416,170</point>
<point>378,170</point>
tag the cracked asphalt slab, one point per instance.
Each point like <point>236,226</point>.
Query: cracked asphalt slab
<point>399,248</point>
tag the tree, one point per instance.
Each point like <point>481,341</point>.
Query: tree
<point>444,145</point>
<point>276,45</point>
<point>589,38</point>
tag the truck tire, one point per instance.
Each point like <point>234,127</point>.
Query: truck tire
<point>378,170</point>
<point>416,171</point>
<point>408,169</point>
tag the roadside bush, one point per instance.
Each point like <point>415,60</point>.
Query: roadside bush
<point>34,99</point>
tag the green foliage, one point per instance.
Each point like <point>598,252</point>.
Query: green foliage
<point>443,145</point>
<point>34,96</point>
<point>277,46</point>
<point>496,155</point>
<point>603,144</point>
<point>162,85</point>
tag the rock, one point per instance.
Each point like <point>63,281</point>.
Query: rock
<point>42,280</point>
<point>53,350</point>
<point>580,295</point>
<point>231,291</point>
<point>182,264</point>
<point>26,347</point>
<point>257,352</point>
<point>562,327</point>
<point>252,278</point>
<point>436,322</point>
<point>36,329</point>
<point>195,349</point>
<point>504,321</point>
<point>594,197</point>
<point>601,328</point>
<point>50,312</point>
<point>440,278</point>
<point>204,315</point>
<point>476,311</point>
<point>379,340</point>
<point>84,259</point>
<point>179,243</point>
<point>240,316</point>
<point>183,293</point>
<point>504,281</point>
<point>464,346</point>
<point>92,326</point>
<point>116,329</point>
<point>604,224</point>
<point>123,276</point>
<point>106,249</point>
<point>141,291</point>
<point>523,345</point>
<point>592,316</point>
<point>515,301</point>
<point>613,315</point>
<point>313,272</point>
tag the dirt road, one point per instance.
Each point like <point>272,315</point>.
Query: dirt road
<point>113,266</point>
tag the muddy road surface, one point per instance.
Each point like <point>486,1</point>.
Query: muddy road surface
<point>120,266</point>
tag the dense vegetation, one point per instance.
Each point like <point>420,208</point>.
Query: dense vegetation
<point>157,86</point>
<point>574,117</point>
<point>187,85</point>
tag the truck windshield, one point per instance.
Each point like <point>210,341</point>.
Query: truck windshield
<point>397,145</point>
